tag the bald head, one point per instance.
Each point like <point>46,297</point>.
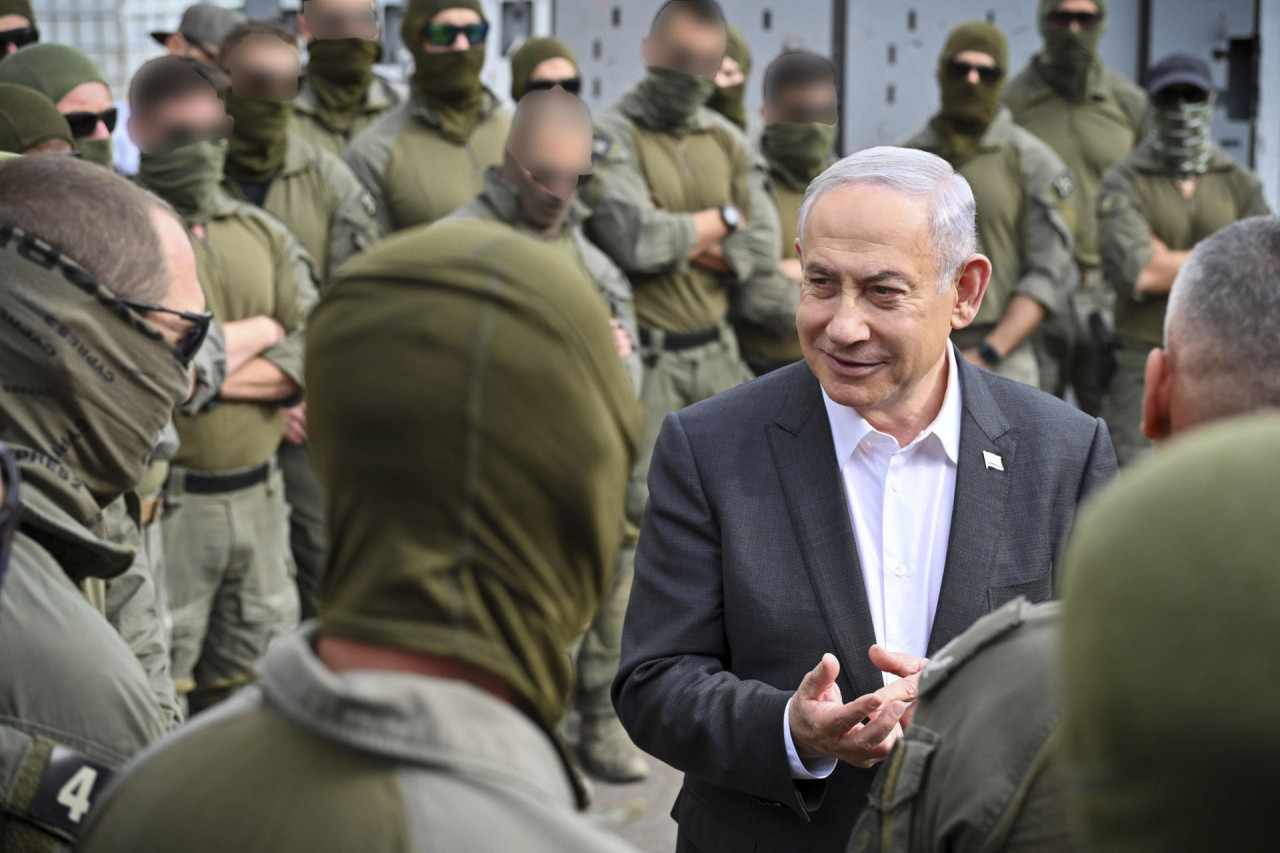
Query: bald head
<point>1222,354</point>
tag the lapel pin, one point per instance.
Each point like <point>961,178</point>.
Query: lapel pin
<point>994,462</point>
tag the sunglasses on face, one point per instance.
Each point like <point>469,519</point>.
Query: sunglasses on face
<point>83,124</point>
<point>189,344</point>
<point>572,85</point>
<point>1176,95</point>
<point>988,74</point>
<point>560,181</point>
<point>21,37</point>
<point>1064,20</point>
<point>443,35</point>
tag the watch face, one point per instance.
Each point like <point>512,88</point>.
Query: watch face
<point>732,216</point>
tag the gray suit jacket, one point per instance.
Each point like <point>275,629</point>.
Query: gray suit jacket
<point>747,572</point>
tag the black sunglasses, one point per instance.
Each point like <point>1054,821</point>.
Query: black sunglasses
<point>189,344</point>
<point>1175,95</point>
<point>551,178</point>
<point>9,507</point>
<point>988,74</point>
<point>443,35</point>
<point>82,124</point>
<point>1064,20</point>
<point>20,37</point>
<point>573,85</point>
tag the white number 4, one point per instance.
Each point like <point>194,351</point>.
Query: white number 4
<point>75,794</point>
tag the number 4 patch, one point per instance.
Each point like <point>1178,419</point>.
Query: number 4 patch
<point>67,790</point>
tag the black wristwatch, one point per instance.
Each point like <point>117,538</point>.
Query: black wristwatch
<point>989,354</point>
<point>731,216</point>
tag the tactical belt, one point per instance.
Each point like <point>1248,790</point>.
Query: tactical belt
<point>676,341</point>
<point>198,483</point>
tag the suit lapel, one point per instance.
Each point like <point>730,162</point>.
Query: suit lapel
<point>804,454</point>
<point>978,517</point>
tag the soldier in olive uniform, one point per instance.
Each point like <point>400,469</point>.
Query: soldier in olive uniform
<point>230,573</point>
<point>1091,117</point>
<point>1176,188</point>
<point>535,191</point>
<point>985,764</point>
<point>544,63</point>
<point>729,98</point>
<point>1023,191</point>
<point>473,541</point>
<point>800,112</point>
<point>76,85</point>
<point>681,204</point>
<point>95,350</point>
<point>341,95</point>
<point>425,158</point>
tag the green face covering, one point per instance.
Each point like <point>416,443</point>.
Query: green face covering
<point>88,386</point>
<point>730,101</point>
<point>1069,59</point>
<point>54,70</point>
<point>671,99</point>
<point>531,54</point>
<point>1182,137</point>
<point>448,83</point>
<point>340,71</point>
<point>968,108</point>
<point>482,523</point>
<point>798,152</point>
<point>28,118</point>
<point>256,149</point>
<point>187,177</point>
<point>96,151</point>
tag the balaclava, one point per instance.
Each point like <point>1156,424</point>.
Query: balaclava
<point>259,137</point>
<point>189,178</point>
<point>1069,59</point>
<point>1182,136</point>
<point>531,54</point>
<point>968,108</point>
<point>448,83</point>
<point>730,101</point>
<point>54,70</point>
<point>340,71</point>
<point>28,118</point>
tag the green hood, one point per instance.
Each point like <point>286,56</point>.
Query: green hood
<point>532,54</point>
<point>28,118</point>
<point>730,101</point>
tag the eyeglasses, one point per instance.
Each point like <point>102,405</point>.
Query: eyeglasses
<point>1064,20</point>
<point>83,124</point>
<point>9,507</point>
<point>988,74</point>
<point>189,344</point>
<point>20,37</point>
<point>572,85</point>
<point>443,35</point>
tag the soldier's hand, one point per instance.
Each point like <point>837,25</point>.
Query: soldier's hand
<point>861,732</point>
<point>621,339</point>
<point>295,424</point>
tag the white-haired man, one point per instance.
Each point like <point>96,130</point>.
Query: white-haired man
<point>831,524</point>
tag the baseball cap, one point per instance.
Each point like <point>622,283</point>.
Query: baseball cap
<point>1179,69</point>
<point>204,24</point>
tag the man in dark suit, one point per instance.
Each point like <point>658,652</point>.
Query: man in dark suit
<point>855,512</point>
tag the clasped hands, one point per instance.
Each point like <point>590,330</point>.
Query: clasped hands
<point>861,732</point>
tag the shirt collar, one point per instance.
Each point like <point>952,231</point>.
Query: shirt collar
<point>848,428</point>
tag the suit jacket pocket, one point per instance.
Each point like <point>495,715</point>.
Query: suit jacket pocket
<point>1036,590</point>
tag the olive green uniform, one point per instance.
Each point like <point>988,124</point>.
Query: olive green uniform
<point>331,214</point>
<point>646,187</point>
<point>979,767</point>
<point>1023,192</point>
<point>1139,200</point>
<point>413,173</point>
<point>383,94</point>
<point>1088,136</point>
<point>225,523</point>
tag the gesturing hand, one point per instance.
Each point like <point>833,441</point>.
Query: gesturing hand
<point>822,724</point>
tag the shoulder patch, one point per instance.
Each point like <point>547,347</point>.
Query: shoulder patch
<point>1063,185</point>
<point>67,791</point>
<point>1108,203</point>
<point>600,146</point>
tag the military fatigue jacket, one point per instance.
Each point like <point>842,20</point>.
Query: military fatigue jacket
<point>1024,195</point>
<point>248,265</point>
<point>414,174</point>
<point>383,94</point>
<point>1140,200</point>
<point>647,185</point>
<point>978,768</point>
<point>1088,136</point>
<point>321,203</point>
<point>74,702</point>
<point>369,761</point>
<point>498,204</point>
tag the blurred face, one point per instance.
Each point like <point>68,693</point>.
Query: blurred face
<point>681,42</point>
<point>184,288</point>
<point>556,153</point>
<point>872,323</point>
<point>338,19</point>
<point>810,102</point>
<point>262,67</point>
<point>730,73</point>
<point>88,98</point>
<point>459,18</point>
<point>179,121</point>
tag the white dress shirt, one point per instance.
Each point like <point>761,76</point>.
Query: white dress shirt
<point>900,502</point>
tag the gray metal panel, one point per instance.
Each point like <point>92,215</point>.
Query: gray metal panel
<point>1267,143</point>
<point>1203,28</point>
<point>606,36</point>
<point>892,55</point>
